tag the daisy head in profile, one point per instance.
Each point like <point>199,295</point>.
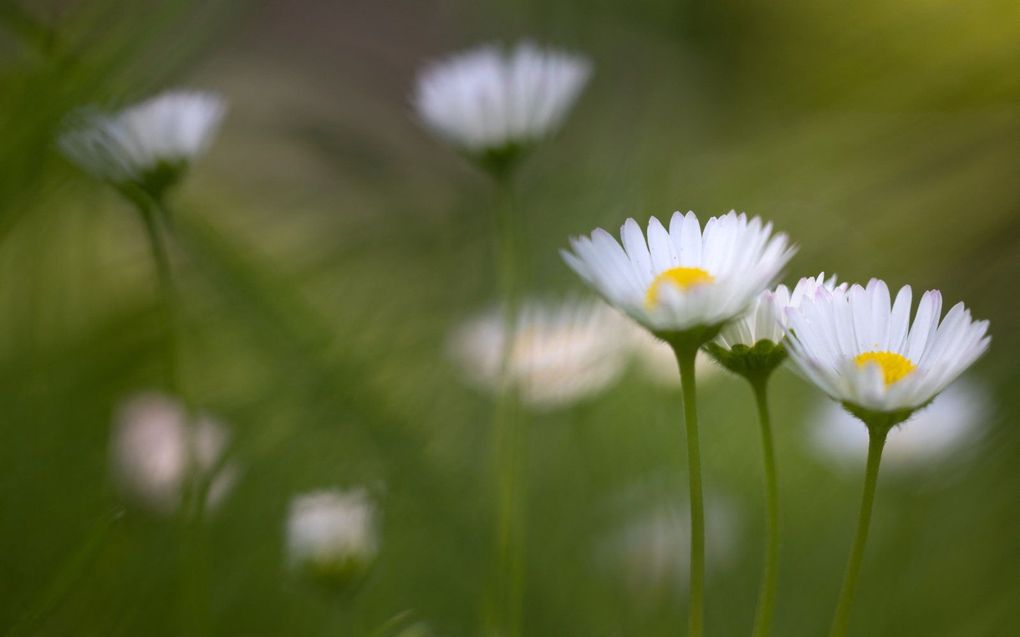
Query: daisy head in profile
<point>148,145</point>
<point>752,345</point>
<point>557,354</point>
<point>683,284</point>
<point>861,348</point>
<point>493,104</point>
<point>332,536</point>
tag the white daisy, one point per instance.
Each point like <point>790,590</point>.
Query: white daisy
<point>862,350</point>
<point>148,144</point>
<point>487,100</point>
<point>561,352</point>
<point>752,345</point>
<point>930,435</point>
<point>682,278</point>
<point>332,534</point>
<point>154,447</point>
<point>766,319</point>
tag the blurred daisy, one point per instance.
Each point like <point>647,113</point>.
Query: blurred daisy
<point>861,349</point>
<point>750,344</point>
<point>649,552</point>
<point>332,535</point>
<point>492,103</point>
<point>154,448</point>
<point>148,145</point>
<point>560,353</point>
<point>682,279</point>
<point>656,359</point>
<point>931,434</point>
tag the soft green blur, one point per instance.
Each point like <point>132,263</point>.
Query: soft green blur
<point>327,245</point>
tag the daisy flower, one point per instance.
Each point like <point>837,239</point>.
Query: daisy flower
<point>148,145</point>
<point>492,104</point>
<point>558,354</point>
<point>861,349</point>
<point>682,279</point>
<point>931,435</point>
<point>154,447</point>
<point>751,345</point>
<point>684,285</point>
<point>332,535</point>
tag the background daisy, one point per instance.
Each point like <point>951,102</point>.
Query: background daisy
<point>149,144</point>
<point>947,427</point>
<point>487,100</point>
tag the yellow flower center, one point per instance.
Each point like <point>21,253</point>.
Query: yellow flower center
<point>894,366</point>
<point>683,278</point>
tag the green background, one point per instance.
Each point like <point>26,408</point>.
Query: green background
<point>327,244</point>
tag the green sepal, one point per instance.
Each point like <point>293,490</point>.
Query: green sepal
<point>752,363</point>
<point>340,575</point>
<point>690,340</point>
<point>882,421</point>
<point>153,183</point>
<point>501,162</point>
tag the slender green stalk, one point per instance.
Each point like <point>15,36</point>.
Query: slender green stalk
<point>151,214</point>
<point>194,488</point>
<point>767,591</point>
<point>510,441</point>
<point>846,596</point>
<point>696,593</point>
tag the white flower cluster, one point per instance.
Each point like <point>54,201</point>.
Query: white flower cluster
<point>852,341</point>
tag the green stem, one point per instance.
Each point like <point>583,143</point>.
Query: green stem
<point>767,592</point>
<point>696,593</point>
<point>846,596</point>
<point>508,589</point>
<point>194,488</point>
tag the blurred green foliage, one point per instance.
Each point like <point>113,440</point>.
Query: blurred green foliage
<point>328,244</point>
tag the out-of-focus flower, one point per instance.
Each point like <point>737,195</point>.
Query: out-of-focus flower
<point>658,362</point>
<point>155,450</point>
<point>148,145</point>
<point>682,279</point>
<point>332,535</point>
<point>493,104</point>
<point>752,345</point>
<point>560,352</point>
<point>933,433</point>
<point>649,553</point>
<point>861,349</point>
